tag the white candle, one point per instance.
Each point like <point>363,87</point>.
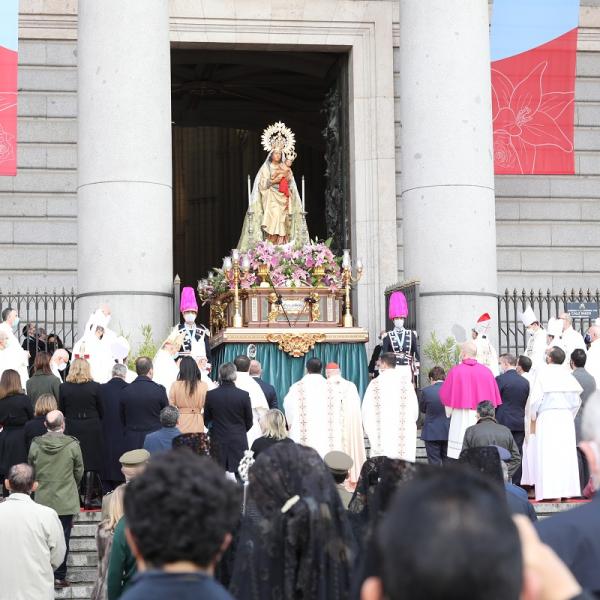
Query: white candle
<point>235,254</point>
<point>346,259</point>
<point>249,193</point>
<point>227,264</point>
<point>303,199</point>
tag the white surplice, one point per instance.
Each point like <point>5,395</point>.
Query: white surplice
<point>528,455</point>
<point>460,420</point>
<point>13,356</point>
<point>486,354</point>
<point>390,411</point>
<point>572,340</point>
<point>344,426</point>
<point>536,349</point>
<point>555,400</point>
<point>259,403</point>
<point>165,369</point>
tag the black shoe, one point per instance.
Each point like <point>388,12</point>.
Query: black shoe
<point>60,584</point>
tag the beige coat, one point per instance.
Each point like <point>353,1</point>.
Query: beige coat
<point>190,407</point>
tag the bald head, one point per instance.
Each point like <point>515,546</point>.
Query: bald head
<point>594,332</point>
<point>20,479</point>
<point>469,349</point>
<point>255,368</point>
<point>566,319</point>
<point>55,421</point>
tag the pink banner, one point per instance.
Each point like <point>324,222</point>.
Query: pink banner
<point>8,111</point>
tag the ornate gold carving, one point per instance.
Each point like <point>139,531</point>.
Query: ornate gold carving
<point>315,311</point>
<point>273,308</point>
<point>296,344</point>
<point>218,319</point>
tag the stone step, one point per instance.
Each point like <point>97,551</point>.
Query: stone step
<point>84,529</point>
<point>87,516</point>
<point>76,591</point>
<point>82,544</point>
<point>82,559</point>
<point>82,575</point>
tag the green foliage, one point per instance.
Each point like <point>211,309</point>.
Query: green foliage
<point>444,354</point>
<point>148,347</point>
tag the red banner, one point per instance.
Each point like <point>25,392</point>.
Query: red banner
<point>8,111</point>
<point>533,109</point>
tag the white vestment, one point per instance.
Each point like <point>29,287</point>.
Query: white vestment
<point>98,351</point>
<point>390,411</point>
<point>460,420</point>
<point>592,364</point>
<point>486,354</point>
<point>528,456</point>
<point>572,340</point>
<point>13,356</point>
<point>165,369</point>
<point>343,410</point>
<point>555,400</point>
<point>536,349</point>
<point>259,403</point>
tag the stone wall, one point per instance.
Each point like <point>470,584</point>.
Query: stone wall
<point>548,227</point>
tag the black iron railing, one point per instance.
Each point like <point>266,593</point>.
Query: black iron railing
<point>53,312</point>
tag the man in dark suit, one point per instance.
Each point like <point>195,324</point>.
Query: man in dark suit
<point>228,415</point>
<point>268,390</point>
<point>575,534</point>
<point>112,428</point>
<point>514,391</point>
<point>140,405</point>
<point>436,424</point>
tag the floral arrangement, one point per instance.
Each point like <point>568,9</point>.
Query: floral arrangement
<point>288,266</point>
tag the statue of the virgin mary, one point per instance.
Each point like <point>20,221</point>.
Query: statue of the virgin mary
<point>275,211</point>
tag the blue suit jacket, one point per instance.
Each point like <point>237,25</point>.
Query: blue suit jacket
<point>436,425</point>
<point>269,392</point>
<point>161,440</point>
<point>514,390</point>
<point>575,536</point>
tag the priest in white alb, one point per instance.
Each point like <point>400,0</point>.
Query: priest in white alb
<point>572,339</point>
<point>486,353</point>
<point>348,437</point>
<point>13,356</point>
<point>537,342</point>
<point>259,403</point>
<point>555,400</point>
<point>466,385</point>
<point>390,411</point>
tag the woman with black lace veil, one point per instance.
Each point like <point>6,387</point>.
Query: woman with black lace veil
<point>296,543</point>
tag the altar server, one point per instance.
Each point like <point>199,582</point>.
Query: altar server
<point>195,340</point>
<point>243,381</point>
<point>13,356</point>
<point>466,385</point>
<point>555,400</point>
<point>486,353</point>
<point>390,411</point>
<point>346,400</point>
<point>95,345</point>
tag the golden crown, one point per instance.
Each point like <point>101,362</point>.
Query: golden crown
<point>278,137</point>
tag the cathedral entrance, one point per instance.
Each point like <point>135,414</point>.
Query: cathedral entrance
<point>222,100</point>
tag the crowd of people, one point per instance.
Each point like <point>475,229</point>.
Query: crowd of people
<point>208,489</point>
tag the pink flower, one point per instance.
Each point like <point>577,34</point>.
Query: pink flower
<point>525,118</point>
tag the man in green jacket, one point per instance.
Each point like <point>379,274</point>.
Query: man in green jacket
<point>58,464</point>
<point>121,566</point>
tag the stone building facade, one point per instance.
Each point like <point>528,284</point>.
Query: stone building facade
<point>547,227</point>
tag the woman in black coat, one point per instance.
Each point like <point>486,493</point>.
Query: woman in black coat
<point>15,411</point>
<point>37,426</point>
<point>79,401</point>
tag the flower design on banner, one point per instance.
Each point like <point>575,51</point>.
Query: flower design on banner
<point>525,118</point>
<point>7,147</point>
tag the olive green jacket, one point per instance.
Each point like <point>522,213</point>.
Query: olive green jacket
<point>121,565</point>
<point>58,464</point>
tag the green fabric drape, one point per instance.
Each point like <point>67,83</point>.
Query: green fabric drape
<point>282,370</point>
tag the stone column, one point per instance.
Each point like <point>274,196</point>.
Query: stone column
<point>125,249</point>
<point>447,163</point>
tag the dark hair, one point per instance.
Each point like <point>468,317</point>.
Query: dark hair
<point>41,364</point>
<point>169,416</point>
<point>190,373</point>
<point>153,509</point>
<point>485,409</point>
<point>242,363</point>
<point>21,478</point>
<point>143,365</point>
<point>314,366</point>
<point>510,359</point>
<point>579,357</point>
<point>7,312</point>
<point>525,363</point>
<point>10,383</point>
<point>437,374</point>
<point>57,343</point>
<point>339,477</point>
<point>389,359</point>
<point>441,535</point>
<point>557,355</point>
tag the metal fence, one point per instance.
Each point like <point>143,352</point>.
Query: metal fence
<point>512,336</point>
<point>52,311</point>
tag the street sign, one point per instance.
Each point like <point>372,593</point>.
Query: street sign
<point>582,310</point>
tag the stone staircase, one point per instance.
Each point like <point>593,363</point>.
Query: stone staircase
<point>83,560</point>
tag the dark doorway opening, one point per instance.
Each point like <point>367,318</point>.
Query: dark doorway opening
<point>221,102</point>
